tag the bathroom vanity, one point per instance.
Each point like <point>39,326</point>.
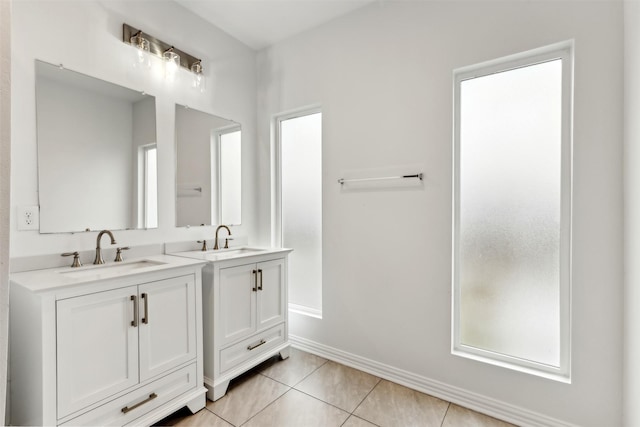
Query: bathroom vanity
<point>108,344</point>
<point>245,311</point>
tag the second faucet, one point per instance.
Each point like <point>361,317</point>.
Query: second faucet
<point>99,259</point>
<point>215,246</point>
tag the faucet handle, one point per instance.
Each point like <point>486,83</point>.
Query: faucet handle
<point>119,253</point>
<point>204,245</point>
<point>76,258</point>
<point>226,242</point>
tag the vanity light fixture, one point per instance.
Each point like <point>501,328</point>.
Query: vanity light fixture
<point>173,57</point>
<point>141,57</point>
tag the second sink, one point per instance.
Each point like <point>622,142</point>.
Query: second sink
<point>109,269</point>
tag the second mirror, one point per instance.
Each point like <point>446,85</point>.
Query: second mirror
<point>208,169</point>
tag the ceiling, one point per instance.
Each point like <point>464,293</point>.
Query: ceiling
<point>262,23</point>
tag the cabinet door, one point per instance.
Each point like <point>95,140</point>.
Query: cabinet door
<point>167,324</point>
<point>97,347</point>
<point>237,302</point>
<point>271,293</point>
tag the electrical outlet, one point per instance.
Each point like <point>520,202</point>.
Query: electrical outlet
<point>28,218</point>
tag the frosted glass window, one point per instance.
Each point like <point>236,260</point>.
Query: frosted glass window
<point>301,199</point>
<point>231,177</point>
<point>511,215</point>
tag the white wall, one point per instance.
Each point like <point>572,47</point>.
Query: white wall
<point>632,214</point>
<point>383,76</point>
<point>86,37</point>
<point>5,166</point>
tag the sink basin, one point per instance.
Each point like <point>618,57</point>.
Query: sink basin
<point>109,269</point>
<point>231,253</point>
<point>225,254</point>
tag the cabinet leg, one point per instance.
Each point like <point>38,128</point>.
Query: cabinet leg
<point>220,390</point>
<point>284,353</point>
<point>197,404</point>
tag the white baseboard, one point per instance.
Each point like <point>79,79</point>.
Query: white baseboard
<point>474,401</point>
<point>304,310</point>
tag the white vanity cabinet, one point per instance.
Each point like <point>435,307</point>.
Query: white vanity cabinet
<point>245,307</point>
<point>251,298</point>
<point>111,351</point>
<point>245,316</point>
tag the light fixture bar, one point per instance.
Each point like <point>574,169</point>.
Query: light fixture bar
<point>158,47</point>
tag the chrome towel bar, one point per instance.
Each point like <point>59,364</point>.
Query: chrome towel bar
<point>417,175</point>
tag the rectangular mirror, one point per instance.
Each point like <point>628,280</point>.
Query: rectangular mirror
<point>208,169</point>
<point>97,155</point>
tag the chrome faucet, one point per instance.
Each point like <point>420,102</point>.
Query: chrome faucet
<point>215,246</point>
<point>99,259</point>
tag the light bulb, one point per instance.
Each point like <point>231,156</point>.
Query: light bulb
<point>171,65</point>
<point>141,52</point>
<point>198,82</point>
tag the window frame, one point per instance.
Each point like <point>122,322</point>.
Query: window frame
<point>563,51</point>
<point>276,189</point>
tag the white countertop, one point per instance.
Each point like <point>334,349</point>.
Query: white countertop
<point>234,253</point>
<point>61,277</point>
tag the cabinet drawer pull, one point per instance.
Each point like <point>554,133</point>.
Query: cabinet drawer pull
<point>255,281</point>
<point>260,273</point>
<point>251,347</point>
<point>134,322</point>
<point>145,297</point>
<point>131,408</point>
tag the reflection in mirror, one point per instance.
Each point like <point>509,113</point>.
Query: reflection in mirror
<point>97,163</point>
<point>208,169</point>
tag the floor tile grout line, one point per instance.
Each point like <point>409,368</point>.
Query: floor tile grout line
<point>288,385</point>
<point>261,410</point>
<point>222,418</point>
<point>273,379</point>
<point>360,418</point>
<point>445,413</point>
<point>322,401</point>
<point>312,372</point>
<point>365,398</point>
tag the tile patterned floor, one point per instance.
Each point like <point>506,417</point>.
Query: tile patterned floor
<point>308,391</point>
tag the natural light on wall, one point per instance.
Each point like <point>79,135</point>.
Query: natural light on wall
<point>230,179</point>
<point>512,212</point>
<point>148,185</point>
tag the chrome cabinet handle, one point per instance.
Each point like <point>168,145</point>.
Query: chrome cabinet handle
<point>134,322</point>
<point>145,297</point>
<point>131,408</point>
<point>255,281</point>
<point>251,347</point>
<point>260,273</point>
